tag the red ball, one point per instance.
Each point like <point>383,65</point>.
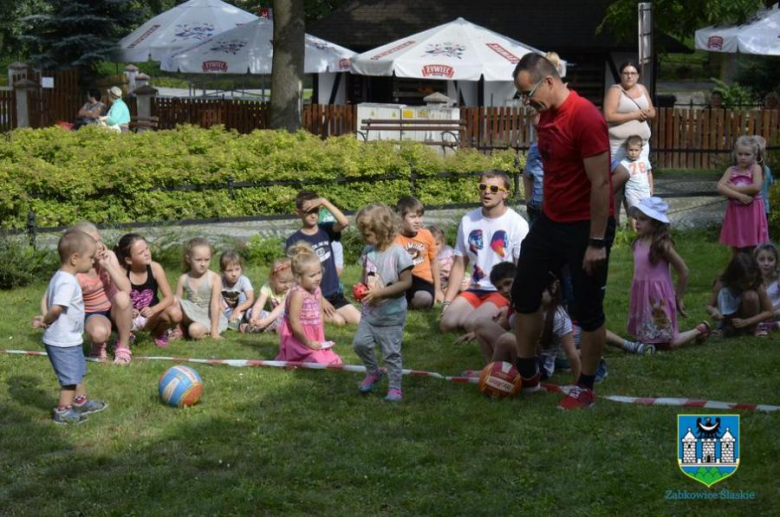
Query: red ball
<point>499,379</point>
<point>359,291</point>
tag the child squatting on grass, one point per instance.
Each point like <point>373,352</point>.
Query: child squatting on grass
<point>302,335</point>
<point>420,244</point>
<point>238,295</point>
<point>557,334</point>
<point>445,258</point>
<point>387,275</point>
<point>273,295</point>
<point>64,324</point>
<point>202,308</point>
<point>147,280</point>
<point>766,256</point>
<point>739,301</point>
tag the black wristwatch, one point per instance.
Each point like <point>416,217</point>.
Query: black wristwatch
<point>597,243</point>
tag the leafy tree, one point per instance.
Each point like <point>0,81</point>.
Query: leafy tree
<point>313,9</point>
<point>678,17</point>
<point>12,26</point>
<point>735,96</point>
<point>78,33</point>
<point>760,74</point>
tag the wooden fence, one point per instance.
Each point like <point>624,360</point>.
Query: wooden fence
<point>7,110</point>
<point>326,120</point>
<point>47,106</point>
<point>682,137</point>
<point>702,139</point>
<point>495,128</point>
<point>246,116</point>
<point>242,116</point>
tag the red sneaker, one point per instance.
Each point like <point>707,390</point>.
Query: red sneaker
<point>578,398</point>
<point>531,385</point>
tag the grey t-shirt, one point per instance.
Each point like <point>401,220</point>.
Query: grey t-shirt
<point>383,268</point>
<point>232,294</point>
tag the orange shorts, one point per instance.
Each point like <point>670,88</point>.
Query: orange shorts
<point>477,298</point>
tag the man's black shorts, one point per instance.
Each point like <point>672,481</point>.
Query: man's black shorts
<point>547,247</point>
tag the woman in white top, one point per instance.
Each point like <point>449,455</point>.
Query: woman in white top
<point>627,109</point>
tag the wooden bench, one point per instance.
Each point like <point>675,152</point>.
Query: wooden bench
<point>141,124</point>
<point>444,127</point>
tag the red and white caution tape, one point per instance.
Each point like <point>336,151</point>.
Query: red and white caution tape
<point>553,388</point>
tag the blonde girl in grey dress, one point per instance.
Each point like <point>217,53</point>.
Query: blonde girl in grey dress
<point>199,292</point>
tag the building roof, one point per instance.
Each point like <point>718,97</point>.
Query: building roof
<point>565,26</point>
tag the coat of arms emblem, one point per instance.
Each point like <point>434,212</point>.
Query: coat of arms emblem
<point>708,446</point>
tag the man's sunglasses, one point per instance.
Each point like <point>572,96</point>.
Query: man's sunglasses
<point>494,189</point>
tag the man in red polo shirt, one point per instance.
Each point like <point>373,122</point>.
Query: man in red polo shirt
<point>575,228</point>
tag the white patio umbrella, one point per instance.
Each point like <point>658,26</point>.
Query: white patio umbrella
<point>458,51</point>
<point>184,25</point>
<point>249,48</point>
<point>759,36</point>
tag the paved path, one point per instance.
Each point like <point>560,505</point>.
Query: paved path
<point>684,212</point>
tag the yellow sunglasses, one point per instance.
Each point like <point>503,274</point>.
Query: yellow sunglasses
<point>494,189</point>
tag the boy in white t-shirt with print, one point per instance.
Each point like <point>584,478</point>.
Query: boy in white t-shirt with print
<point>640,175</point>
<point>64,324</point>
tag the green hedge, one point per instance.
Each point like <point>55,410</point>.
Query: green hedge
<point>106,178</point>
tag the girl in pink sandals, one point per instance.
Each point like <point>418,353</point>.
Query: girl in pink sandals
<point>106,290</point>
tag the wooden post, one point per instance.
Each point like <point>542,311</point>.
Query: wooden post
<point>23,89</point>
<point>144,96</point>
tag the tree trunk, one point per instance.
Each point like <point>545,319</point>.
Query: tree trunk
<point>287,75</point>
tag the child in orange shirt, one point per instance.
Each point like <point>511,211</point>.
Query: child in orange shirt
<point>421,246</point>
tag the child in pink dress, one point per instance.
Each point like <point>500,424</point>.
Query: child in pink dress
<point>652,316</point>
<point>302,335</point>
<point>745,225</point>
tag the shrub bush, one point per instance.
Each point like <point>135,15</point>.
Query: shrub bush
<point>21,264</point>
<point>108,178</point>
<point>262,251</point>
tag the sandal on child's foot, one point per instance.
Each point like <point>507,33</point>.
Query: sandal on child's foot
<point>175,333</point>
<point>704,331</point>
<point>760,332</point>
<point>98,350</point>
<point>122,356</point>
<point>162,340</point>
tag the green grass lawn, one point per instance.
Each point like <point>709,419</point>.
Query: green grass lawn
<point>266,441</point>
